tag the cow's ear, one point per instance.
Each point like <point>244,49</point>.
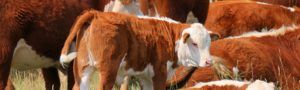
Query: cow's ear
<point>185,37</point>
<point>214,36</point>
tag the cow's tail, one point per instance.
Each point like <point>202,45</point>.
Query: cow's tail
<point>68,52</point>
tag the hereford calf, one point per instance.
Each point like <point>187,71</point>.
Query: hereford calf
<point>238,17</point>
<point>117,45</point>
<point>272,56</point>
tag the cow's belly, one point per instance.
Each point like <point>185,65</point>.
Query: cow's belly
<point>147,73</point>
<point>25,58</point>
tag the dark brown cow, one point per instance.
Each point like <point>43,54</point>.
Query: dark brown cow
<point>118,45</point>
<point>237,17</point>
<point>287,3</point>
<point>272,56</point>
<point>176,9</point>
<point>32,32</point>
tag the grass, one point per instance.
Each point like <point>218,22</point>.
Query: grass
<point>33,80</point>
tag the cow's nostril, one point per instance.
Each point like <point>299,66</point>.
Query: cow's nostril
<point>208,62</point>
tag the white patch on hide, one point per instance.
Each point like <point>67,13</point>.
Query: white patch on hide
<point>160,18</point>
<point>272,32</point>
<point>261,85</point>
<point>92,60</point>
<point>291,9</point>
<point>85,79</point>
<point>221,83</point>
<point>144,76</point>
<point>25,58</point>
<point>263,3</point>
<point>170,70</point>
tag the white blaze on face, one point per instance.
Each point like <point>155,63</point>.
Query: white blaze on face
<point>195,51</point>
<point>117,6</point>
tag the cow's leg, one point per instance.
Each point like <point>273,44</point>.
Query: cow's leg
<point>6,53</point>
<point>70,74</point>
<point>85,78</point>
<point>124,85</point>
<point>107,52</point>
<point>146,82</point>
<point>160,77</point>
<point>108,66</point>
<point>9,85</point>
<point>76,71</point>
<point>51,78</point>
<point>107,76</point>
<point>11,30</point>
<point>201,11</point>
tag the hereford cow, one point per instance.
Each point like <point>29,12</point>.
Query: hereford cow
<point>117,45</point>
<point>32,34</point>
<point>236,18</point>
<point>233,85</point>
<point>287,3</point>
<point>272,56</point>
<point>177,10</point>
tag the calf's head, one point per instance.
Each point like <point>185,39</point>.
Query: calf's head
<point>193,46</point>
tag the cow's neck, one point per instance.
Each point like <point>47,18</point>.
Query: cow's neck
<point>177,29</point>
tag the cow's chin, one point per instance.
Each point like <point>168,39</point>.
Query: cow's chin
<point>188,63</point>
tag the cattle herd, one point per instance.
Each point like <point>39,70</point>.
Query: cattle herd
<point>236,44</point>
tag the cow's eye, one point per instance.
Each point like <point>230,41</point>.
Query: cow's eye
<point>194,44</point>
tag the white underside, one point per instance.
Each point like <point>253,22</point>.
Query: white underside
<point>25,58</point>
<point>221,83</point>
<point>85,79</point>
<point>145,76</point>
<point>257,85</point>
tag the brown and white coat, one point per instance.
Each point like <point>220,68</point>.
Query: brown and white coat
<point>117,45</point>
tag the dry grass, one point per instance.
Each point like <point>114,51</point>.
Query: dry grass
<point>33,80</point>
<point>27,80</point>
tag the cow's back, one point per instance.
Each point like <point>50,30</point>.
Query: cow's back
<point>235,18</point>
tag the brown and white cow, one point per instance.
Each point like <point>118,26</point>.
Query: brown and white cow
<point>117,45</point>
<point>32,33</point>
<point>176,9</point>
<point>232,85</point>
<point>238,17</point>
<point>272,56</point>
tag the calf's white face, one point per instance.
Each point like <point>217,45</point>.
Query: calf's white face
<point>193,46</point>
